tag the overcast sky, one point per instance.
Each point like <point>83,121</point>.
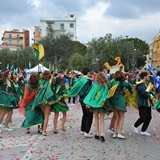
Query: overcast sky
<point>95,18</point>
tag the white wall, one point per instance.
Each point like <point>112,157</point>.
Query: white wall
<point>55,24</point>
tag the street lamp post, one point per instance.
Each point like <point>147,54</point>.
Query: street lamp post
<point>134,62</point>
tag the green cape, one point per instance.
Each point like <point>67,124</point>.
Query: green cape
<point>78,85</point>
<point>96,96</point>
<point>43,94</point>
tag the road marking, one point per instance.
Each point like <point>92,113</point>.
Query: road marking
<point>35,145</point>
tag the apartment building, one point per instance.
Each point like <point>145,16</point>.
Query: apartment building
<point>154,51</point>
<point>37,34</point>
<point>10,47</point>
<point>16,38</point>
<point>64,26</point>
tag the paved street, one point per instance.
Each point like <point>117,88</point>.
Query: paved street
<point>70,145</point>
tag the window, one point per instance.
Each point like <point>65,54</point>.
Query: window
<point>49,25</point>
<point>10,35</point>
<point>18,42</point>
<point>18,36</point>
<point>71,34</point>
<point>62,26</point>
<point>10,42</point>
<point>72,16</point>
<point>71,25</point>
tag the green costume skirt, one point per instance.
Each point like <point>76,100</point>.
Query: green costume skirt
<point>105,109</point>
<point>8,101</point>
<point>32,117</point>
<point>59,107</point>
<point>118,102</point>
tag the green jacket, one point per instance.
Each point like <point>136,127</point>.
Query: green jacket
<point>143,95</point>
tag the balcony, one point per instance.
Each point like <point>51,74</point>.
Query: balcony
<point>12,38</point>
<point>56,30</point>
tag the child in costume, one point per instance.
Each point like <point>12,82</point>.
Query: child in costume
<point>117,101</point>
<point>95,99</point>
<point>145,95</point>
<point>32,117</point>
<point>44,98</point>
<point>8,100</point>
<point>60,104</point>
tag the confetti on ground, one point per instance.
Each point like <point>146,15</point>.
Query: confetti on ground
<point>18,145</point>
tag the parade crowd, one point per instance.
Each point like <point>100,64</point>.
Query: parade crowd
<point>100,94</point>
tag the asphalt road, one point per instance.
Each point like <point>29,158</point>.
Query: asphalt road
<point>70,145</point>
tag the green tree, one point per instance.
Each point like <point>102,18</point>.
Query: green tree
<point>140,48</point>
<point>17,59</point>
<point>24,56</point>
<point>77,61</point>
<point>5,58</point>
<point>78,47</point>
<point>57,47</point>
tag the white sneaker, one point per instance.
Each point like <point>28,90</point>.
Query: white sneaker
<point>82,132</point>
<point>120,136</point>
<point>135,130</point>
<point>145,133</point>
<point>114,135</point>
<point>8,129</point>
<point>110,131</point>
<point>2,124</point>
<point>88,135</point>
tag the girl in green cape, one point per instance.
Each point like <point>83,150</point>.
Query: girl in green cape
<point>96,99</point>
<point>44,98</point>
<point>117,101</point>
<point>8,100</point>
<point>32,117</point>
<point>60,104</point>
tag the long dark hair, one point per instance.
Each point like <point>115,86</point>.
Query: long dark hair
<point>59,81</point>
<point>33,81</point>
<point>119,76</point>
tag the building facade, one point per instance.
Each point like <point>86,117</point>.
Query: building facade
<point>10,47</point>
<point>16,38</point>
<point>154,52</point>
<point>67,26</point>
<point>37,34</point>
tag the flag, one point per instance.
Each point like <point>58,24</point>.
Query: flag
<point>7,67</point>
<point>39,49</point>
<point>29,65</point>
<point>11,68</point>
<point>14,71</point>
